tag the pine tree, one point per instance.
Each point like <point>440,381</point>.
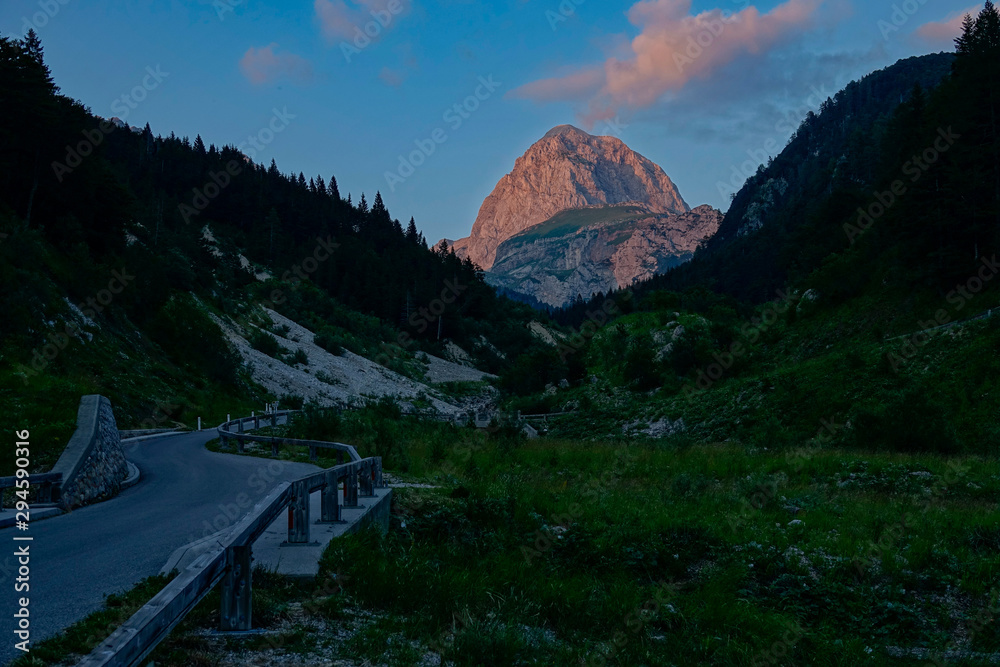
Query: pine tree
<point>411,231</point>
<point>33,47</point>
<point>379,211</point>
<point>334,190</point>
<point>199,145</point>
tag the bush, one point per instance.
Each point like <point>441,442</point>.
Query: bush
<point>906,421</point>
<point>266,343</point>
<point>194,340</point>
<point>299,357</point>
<point>330,341</point>
<point>316,423</point>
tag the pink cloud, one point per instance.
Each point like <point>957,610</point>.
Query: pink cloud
<point>391,77</point>
<point>340,19</point>
<point>944,32</point>
<point>265,65</point>
<point>673,47</point>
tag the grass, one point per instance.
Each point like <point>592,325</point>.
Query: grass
<point>569,539</point>
<point>274,602</point>
<point>568,222</point>
<point>665,552</point>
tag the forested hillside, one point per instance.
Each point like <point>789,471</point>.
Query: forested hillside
<point>835,284</point>
<point>143,238</point>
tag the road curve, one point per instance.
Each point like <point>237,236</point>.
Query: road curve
<point>185,493</point>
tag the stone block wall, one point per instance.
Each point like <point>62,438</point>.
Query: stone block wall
<point>93,463</point>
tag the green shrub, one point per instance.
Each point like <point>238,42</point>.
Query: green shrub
<point>906,421</point>
<point>266,343</point>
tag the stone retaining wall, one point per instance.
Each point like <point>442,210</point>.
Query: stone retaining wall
<point>93,463</point>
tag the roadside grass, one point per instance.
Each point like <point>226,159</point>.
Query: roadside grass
<point>666,552</point>
<point>274,597</point>
<point>82,637</point>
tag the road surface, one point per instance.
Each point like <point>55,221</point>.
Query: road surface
<point>186,492</point>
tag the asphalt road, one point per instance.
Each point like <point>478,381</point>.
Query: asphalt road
<point>185,493</point>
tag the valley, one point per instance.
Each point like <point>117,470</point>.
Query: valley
<point>617,428</point>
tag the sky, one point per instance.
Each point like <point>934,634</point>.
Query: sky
<point>431,101</point>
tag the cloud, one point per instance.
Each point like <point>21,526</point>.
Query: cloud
<point>265,65</point>
<point>673,48</point>
<point>340,19</point>
<point>391,77</point>
<point>945,32</point>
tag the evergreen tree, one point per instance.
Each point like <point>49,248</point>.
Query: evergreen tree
<point>334,190</point>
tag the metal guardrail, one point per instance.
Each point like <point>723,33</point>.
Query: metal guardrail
<point>48,484</point>
<point>241,426</point>
<point>229,560</point>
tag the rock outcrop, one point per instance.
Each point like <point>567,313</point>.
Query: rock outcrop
<point>556,261</point>
<point>566,169</point>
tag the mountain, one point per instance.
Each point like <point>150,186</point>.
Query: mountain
<point>566,169</point>
<point>581,252</point>
<point>579,215</point>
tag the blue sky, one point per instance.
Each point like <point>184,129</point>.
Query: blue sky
<point>705,89</point>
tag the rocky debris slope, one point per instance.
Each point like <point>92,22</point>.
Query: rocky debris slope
<point>339,380</point>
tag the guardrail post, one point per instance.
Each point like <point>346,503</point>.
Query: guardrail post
<point>351,487</point>
<point>366,480</point>
<point>240,444</point>
<point>274,447</point>
<point>312,452</point>
<point>377,469</point>
<point>330,507</point>
<point>45,492</point>
<point>298,514</point>
<point>236,589</point>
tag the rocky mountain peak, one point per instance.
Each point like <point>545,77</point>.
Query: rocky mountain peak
<point>566,169</point>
